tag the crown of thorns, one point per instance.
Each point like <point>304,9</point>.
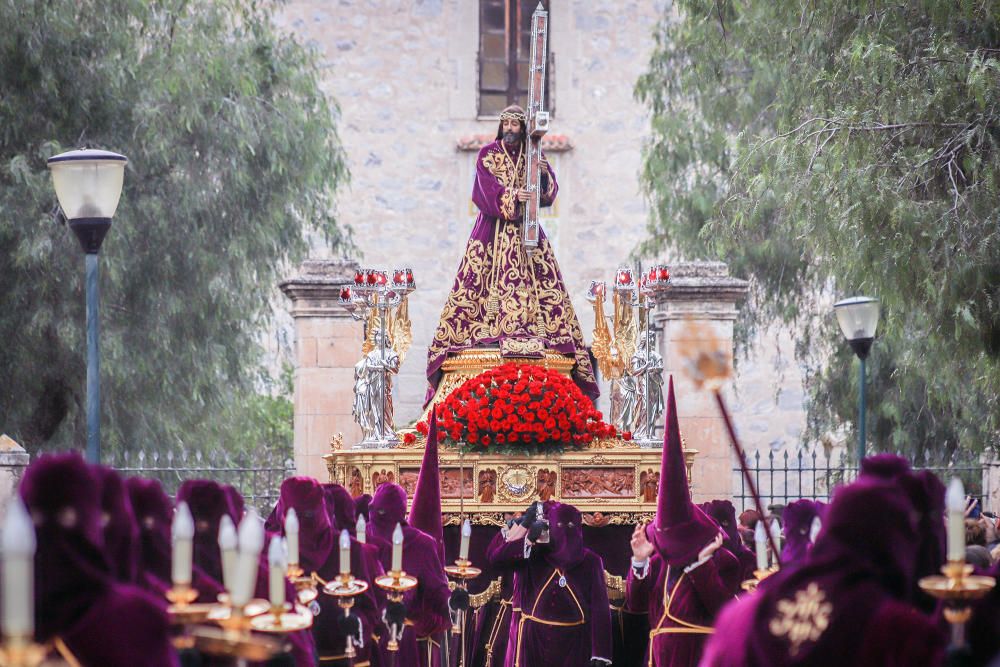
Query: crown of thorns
<point>512,115</point>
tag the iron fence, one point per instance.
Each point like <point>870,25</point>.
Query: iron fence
<point>258,479</point>
<point>785,477</point>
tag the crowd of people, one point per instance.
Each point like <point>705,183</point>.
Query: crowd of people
<point>846,591</point>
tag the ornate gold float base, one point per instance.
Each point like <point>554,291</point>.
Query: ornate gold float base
<point>613,482</point>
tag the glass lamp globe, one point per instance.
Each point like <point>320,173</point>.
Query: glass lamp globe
<point>88,184</point>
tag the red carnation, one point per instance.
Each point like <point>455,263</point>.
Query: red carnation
<point>423,428</point>
<point>409,438</point>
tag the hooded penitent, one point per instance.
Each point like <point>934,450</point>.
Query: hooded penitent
<point>121,534</point>
<point>102,622</point>
<point>565,548</point>
<point>798,517</point>
<point>208,502</point>
<point>340,507</point>
<point>425,513</point>
<point>845,604</point>
<point>681,529</point>
<point>724,514</point>
<point>926,494</point>
<point>316,538</point>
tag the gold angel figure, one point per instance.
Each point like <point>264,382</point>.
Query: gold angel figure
<point>602,338</point>
<point>626,334</point>
<point>402,329</point>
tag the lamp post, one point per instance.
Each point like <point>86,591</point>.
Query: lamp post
<point>88,184</point>
<point>858,318</point>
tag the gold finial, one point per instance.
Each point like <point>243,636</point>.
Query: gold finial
<point>337,441</point>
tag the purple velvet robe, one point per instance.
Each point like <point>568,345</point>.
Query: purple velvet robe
<point>552,624</point>
<point>682,605</point>
<point>501,298</point>
<point>491,622</point>
<point>846,603</point>
<point>427,614</point>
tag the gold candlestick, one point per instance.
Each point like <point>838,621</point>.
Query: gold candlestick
<point>462,571</point>
<point>234,639</point>
<point>21,651</point>
<point>305,586</point>
<point>345,588</point>
<point>957,588</point>
<point>396,583</point>
<point>183,610</point>
<point>750,585</point>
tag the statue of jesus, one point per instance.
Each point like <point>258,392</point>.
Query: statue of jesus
<point>504,296</point>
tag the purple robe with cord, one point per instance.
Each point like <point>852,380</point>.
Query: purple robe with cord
<point>683,601</point>
<point>501,295</point>
<point>78,604</point>
<point>846,603</point>
<point>427,615</point>
<point>798,518</point>
<point>154,513</point>
<point>208,502</point>
<point>561,615</point>
<point>724,514</point>
<point>121,534</point>
<point>491,623</point>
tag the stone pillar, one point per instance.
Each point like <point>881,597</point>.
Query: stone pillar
<point>703,294</point>
<point>13,461</point>
<point>327,345</point>
<point>991,482</point>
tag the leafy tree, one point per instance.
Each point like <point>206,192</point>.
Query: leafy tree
<point>827,147</point>
<point>233,158</point>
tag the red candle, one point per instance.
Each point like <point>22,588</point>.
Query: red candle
<point>359,278</point>
<point>370,277</point>
<point>380,277</point>
<point>345,293</point>
<point>398,277</point>
<point>663,273</point>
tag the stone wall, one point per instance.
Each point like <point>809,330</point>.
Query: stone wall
<point>404,74</point>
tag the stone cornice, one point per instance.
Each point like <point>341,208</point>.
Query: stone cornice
<point>702,282</point>
<point>315,291</point>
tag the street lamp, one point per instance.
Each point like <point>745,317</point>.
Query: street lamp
<point>88,184</point>
<point>858,318</point>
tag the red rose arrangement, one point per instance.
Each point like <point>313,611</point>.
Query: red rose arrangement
<point>518,409</point>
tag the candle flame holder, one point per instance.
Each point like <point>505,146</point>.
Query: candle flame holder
<point>21,651</point>
<point>183,610</point>
<point>750,585</point>
<point>305,586</point>
<point>345,588</point>
<point>957,588</point>
<point>462,571</point>
<point>396,583</point>
<point>283,619</point>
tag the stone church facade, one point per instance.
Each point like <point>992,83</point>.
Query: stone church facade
<point>406,75</point>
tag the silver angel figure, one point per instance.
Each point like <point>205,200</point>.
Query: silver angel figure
<point>646,372</point>
<point>373,392</point>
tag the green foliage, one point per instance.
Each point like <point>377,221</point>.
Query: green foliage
<point>233,158</point>
<point>830,147</point>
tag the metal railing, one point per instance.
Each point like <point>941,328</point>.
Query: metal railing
<point>258,478</point>
<point>785,477</point>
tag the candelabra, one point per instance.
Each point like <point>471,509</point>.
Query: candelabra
<point>625,353</point>
<point>382,303</point>
<point>183,610</point>
<point>345,588</point>
<point>462,571</point>
<point>233,638</point>
<point>396,583</point>
<point>750,585</point>
<point>21,651</point>
<point>305,585</point>
<point>957,588</point>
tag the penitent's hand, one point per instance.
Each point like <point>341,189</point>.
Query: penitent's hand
<point>523,195</point>
<point>641,547</point>
<point>710,548</point>
<point>516,532</point>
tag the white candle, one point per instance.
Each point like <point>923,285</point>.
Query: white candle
<point>955,502</point>
<point>251,538</point>
<point>292,535</point>
<point>397,549</point>
<point>362,529</point>
<point>182,532</point>
<point>463,550</point>
<point>814,529</point>
<point>760,542</point>
<point>228,546</point>
<point>277,561</point>
<point>18,543</point>
<point>345,552</point>
<point>775,529</point>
